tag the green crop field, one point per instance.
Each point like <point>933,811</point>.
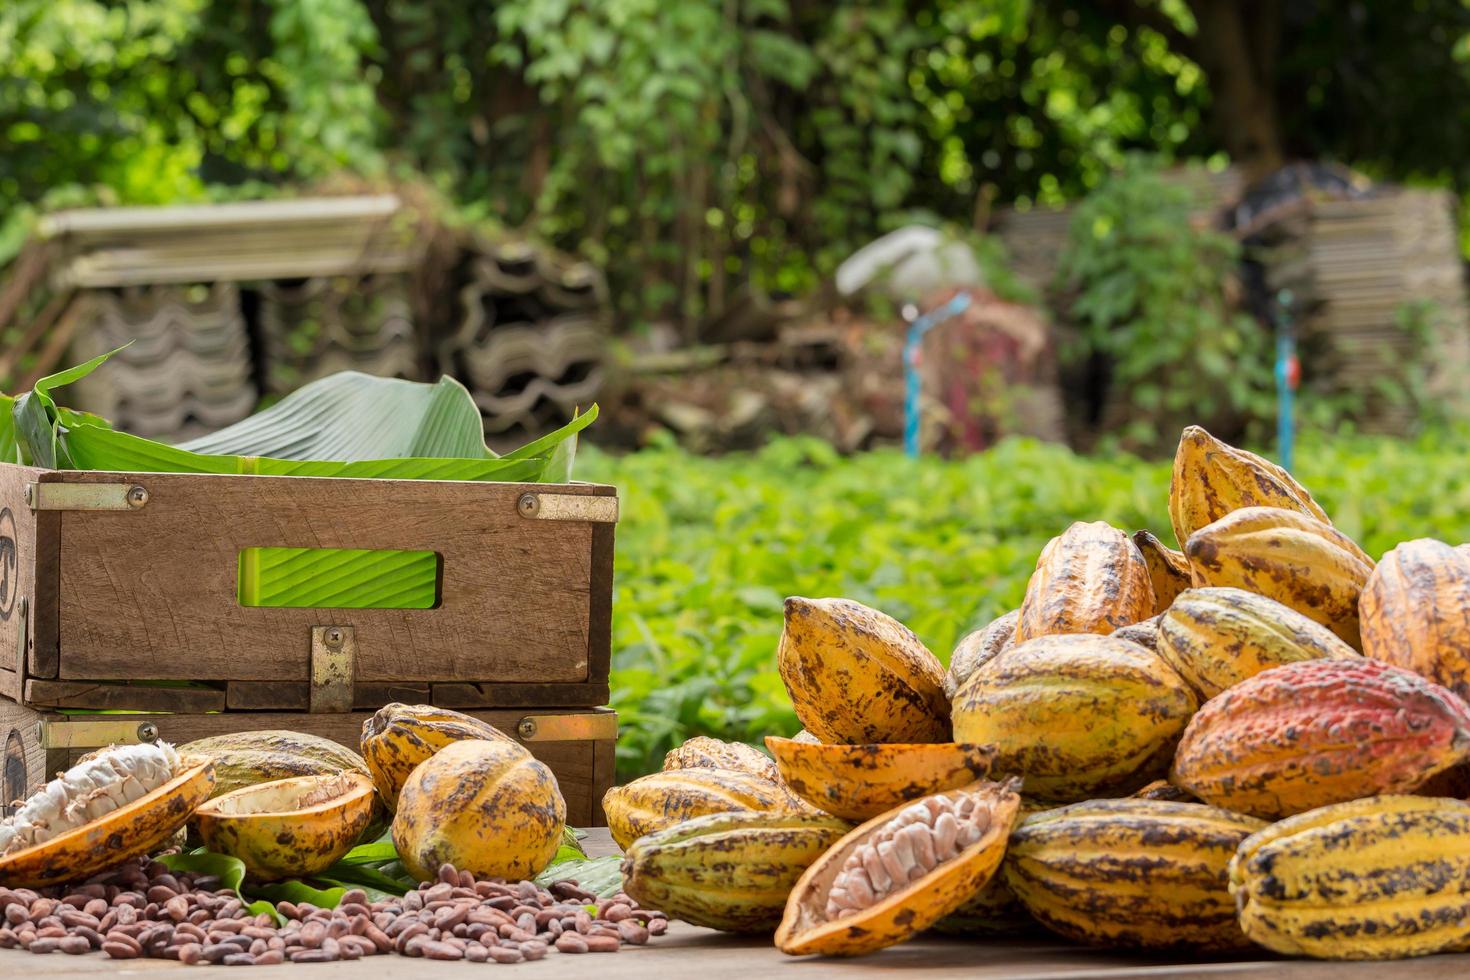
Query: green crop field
<point>708,548</point>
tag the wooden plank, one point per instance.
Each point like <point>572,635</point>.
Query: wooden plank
<point>232,215</point>
<point>27,567</point>
<point>122,697</point>
<point>604,777</point>
<point>455,695</point>
<point>24,765</point>
<point>599,615</point>
<point>278,696</point>
<point>10,684</point>
<point>151,592</point>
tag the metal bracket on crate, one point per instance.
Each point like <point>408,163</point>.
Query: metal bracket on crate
<point>95,734</point>
<point>85,496</point>
<point>333,664</point>
<point>568,728</point>
<point>568,507</point>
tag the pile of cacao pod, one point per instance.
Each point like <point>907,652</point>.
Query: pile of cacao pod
<point>1258,740</point>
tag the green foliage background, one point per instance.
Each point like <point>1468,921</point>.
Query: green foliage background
<point>708,549</point>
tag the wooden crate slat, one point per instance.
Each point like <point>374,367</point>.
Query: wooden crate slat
<point>121,697</point>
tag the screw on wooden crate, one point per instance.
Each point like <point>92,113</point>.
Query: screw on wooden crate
<point>527,729</point>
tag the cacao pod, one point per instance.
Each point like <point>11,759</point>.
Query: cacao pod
<point>858,676</point>
<point>858,782</point>
<point>662,799</point>
<point>1416,612</point>
<point>702,752</point>
<point>1373,879</point>
<point>1162,789</point>
<point>1145,634</point>
<point>900,872</point>
<point>995,911</point>
<point>1168,570</point>
<point>120,803</point>
<point>485,807</point>
<point>728,871</point>
<point>1076,716</point>
<point>247,758</point>
<point>1211,479</point>
<point>1292,558</point>
<point>1308,734</point>
<point>1131,873</point>
<point>1091,579</point>
<point>400,736</point>
<point>1216,638</point>
<point>289,828</point>
<point>977,647</point>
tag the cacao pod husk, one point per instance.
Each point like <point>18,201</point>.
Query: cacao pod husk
<point>1145,634</point>
<point>248,758</point>
<point>1168,570</point>
<point>486,807</point>
<point>1373,879</point>
<point>728,871</point>
<point>1212,478</point>
<point>1309,734</point>
<point>994,911</point>
<point>662,799</point>
<point>1091,579</point>
<point>1131,873</point>
<point>1290,557</point>
<point>944,882</point>
<point>1076,716</point>
<point>1415,612</point>
<point>1165,791</point>
<point>400,736</point>
<point>858,676</point>
<point>702,752</point>
<point>977,647</point>
<point>289,828</point>
<point>859,782</point>
<point>1217,637</point>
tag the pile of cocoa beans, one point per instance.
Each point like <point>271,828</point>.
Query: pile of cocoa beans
<point>142,909</point>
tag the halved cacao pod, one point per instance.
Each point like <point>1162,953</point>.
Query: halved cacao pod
<point>1373,879</point>
<point>1091,579</point>
<point>128,831</point>
<point>1309,734</point>
<point>900,872</point>
<point>728,871</point>
<point>1416,612</point>
<point>702,752</point>
<point>977,647</point>
<point>1076,716</point>
<point>1211,479</point>
<point>1145,634</point>
<point>859,782</point>
<point>248,758</point>
<point>485,807</point>
<point>662,799</point>
<point>1216,638</point>
<point>858,676</point>
<point>400,736</point>
<point>1168,569</point>
<point>289,828</point>
<point>1290,557</point>
<point>1131,873</point>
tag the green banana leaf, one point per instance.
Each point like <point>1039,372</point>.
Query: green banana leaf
<point>229,870</point>
<point>601,876</point>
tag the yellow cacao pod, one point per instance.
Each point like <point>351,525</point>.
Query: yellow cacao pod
<point>248,758</point>
<point>858,782</point>
<point>858,676</point>
<point>1416,612</point>
<point>1131,873</point>
<point>1372,879</point>
<point>1091,579</point>
<point>1168,570</point>
<point>1212,478</point>
<point>485,807</point>
<point>1145,634</point>
<point>289,828</point>
<point>900,872</point>
<point>1216,638</point>
<point>977,647</point>
<point>728,871</point>
<point>1076,716</point>
<point>662,799</point>
<point>1290,557</point>
<point>702,752</point>
<point>400,736</point>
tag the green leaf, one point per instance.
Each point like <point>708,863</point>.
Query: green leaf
<point>229,870</point>
<point>297,892</point>
<point>9,447</point>
<point>602,876</point>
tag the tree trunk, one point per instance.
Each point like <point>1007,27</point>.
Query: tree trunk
<point>1238,44</point>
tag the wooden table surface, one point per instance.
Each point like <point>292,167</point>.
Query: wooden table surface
<point>687,951</point>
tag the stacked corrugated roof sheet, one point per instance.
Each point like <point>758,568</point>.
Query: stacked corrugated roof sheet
<point>320,326</point>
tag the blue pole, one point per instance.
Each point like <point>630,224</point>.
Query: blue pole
<point>911,381</point>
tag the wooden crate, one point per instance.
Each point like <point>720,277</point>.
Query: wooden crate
<point>113,582</point>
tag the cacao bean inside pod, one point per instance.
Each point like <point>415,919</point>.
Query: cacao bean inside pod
<point>1215,638</point>
<point>1309,734</point>
<point>859,782</point>
<point>728,871</point>
<point>1287,556</point>
<point>400,736</point>
<point>977,647</point>
<point>1168,569</point>
<point>1131,873</point>
<point>1212,478</point>
<point>1416,612</point>
<point>1076,716</point>
<point>662,799</point>
<point>900,872</point>
<point>1372,879</point>
<point>858,676</point>
<point>1091,579</point>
